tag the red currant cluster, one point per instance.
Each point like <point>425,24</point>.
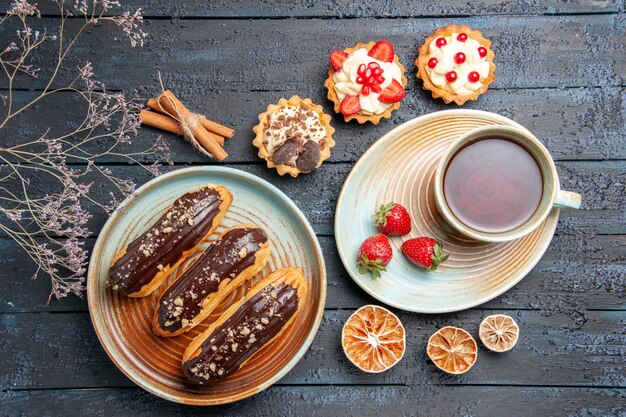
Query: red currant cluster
<point>370,77</point>
<point>459,58</point>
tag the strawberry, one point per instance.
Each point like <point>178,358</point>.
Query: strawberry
<point>374,254</point>
<point>350,105</point>
<point>393,93</point>
<point>382,51</point>
<point>424,252</point>
<point>336,59</point>
<point>393,220</point>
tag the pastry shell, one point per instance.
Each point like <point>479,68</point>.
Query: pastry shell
<point>422,61</point>
<point>157,280</point>
<point>289,276</point>
<point>210,302</point>
<point>361,118</point>
<point>264,118</point>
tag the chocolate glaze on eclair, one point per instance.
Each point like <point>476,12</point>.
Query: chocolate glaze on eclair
<point>139,268</point>
<point>237,255</point>
<point>247,326</point>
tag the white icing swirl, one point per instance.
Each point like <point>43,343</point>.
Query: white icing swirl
<point>446,63</point>
<point>346,85</point>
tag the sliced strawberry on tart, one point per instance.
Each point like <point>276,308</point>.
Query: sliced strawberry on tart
<point>366,82</point>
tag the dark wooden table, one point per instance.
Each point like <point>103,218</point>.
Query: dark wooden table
<point>561,71</point>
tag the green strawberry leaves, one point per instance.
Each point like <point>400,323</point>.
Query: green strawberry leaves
<point>373,266</point>
<point>380,218</point>
<point>438,257</point>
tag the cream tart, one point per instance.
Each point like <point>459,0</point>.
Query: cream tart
<point>367,82</point>
<point>252,323</point>
<point>456,64</point>
<point>236,256</point>
<point>294,136</point>
<point>140,267</point>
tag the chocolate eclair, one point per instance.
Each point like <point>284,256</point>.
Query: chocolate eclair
<point>255,321</point>
<point>237,255</point>
<point>140,267</point>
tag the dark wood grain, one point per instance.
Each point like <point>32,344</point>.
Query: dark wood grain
<point>574,123</point>
<point>576,273</point>
<point>561,73</point>
<point>347,8</point>
<point>236,55</point>
<point>553,350</point>
<point>330,401</point>
<point>601,184</point>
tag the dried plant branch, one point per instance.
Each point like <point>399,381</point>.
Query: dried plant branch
<point>51,226</point>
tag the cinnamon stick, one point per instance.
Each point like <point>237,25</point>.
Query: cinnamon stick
<point>211,126</point>
<point>172,105</point>
<point>154,105</point>
<point>160,121</point>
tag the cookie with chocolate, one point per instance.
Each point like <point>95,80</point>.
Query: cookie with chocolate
<point>140,267</point>
<point>294,136</point>
<point>237,255</point>
<point>247,326</point>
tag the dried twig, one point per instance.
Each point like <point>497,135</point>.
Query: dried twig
<point>50,228</point>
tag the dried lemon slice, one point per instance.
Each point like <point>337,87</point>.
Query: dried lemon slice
<point>373,339</point>
<point>452,349</point>
<point>498,332</point>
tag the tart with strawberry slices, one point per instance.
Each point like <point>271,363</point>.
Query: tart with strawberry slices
<point>366,82</point>
<point>294,136</point>
<point>456,64</point>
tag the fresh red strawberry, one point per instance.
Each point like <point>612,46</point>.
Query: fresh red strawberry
<point>382,51</point>
<point>336,59</point>
<point>393,93</point>
<point>393,220</point>
<point>374,255</point>
<point>424,252</point>
<point>350,105</point>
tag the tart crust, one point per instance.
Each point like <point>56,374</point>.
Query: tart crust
<point>362,118</point>
<point>422,61</point>
<point>264,119</point>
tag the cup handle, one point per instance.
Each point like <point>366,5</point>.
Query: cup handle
<point>567,200</point>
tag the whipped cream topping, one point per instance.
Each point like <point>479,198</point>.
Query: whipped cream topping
<point>445,56</point>
<point>293,122</point>
<point>346,85</point>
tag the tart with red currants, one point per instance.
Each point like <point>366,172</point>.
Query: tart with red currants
<point>294,136</point>
<point>456,64</point>
<point>366,82</point>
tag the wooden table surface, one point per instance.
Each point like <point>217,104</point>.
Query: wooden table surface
<point>561,73</point>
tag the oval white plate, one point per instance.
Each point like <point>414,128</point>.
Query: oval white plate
<point>399,167</point>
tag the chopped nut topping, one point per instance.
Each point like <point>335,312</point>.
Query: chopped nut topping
<point>243,252</point>
<point>167,230</point>
<point>178,301</point>
<point>234,347</point>
<point>264,320</point>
